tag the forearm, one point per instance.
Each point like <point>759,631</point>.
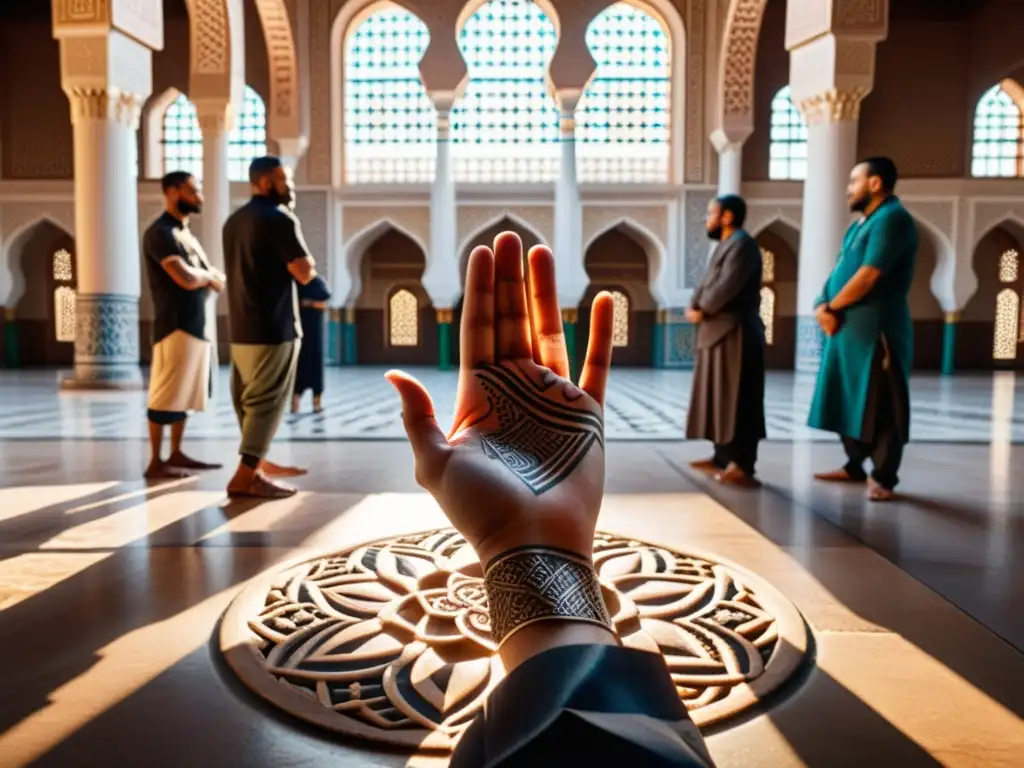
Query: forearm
<point>856,289</point>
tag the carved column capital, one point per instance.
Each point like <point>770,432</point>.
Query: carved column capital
<point>105,104</point>
<point>215,118</point>
<point>835,105</point>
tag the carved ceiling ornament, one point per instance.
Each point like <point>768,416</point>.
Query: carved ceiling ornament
<point>283,114</point>
<point>391,641</point>
<point>210,37</point>
<point>739,54</point>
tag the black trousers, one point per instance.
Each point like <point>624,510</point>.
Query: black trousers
<point>749,431</point>
<point>886,427</point>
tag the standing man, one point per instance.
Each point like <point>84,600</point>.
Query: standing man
<point>265,256</point>
<point>862,388</point>
<point>727,399</point>
<point>180,279</point>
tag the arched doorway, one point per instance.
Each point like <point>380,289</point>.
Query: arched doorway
<point>618,262</point>
<point>925,309</point>
<point>990,331</point>
<point>395,323</point>
<point>486,237</point>
<point>46,312</point>
<point>780,244</point>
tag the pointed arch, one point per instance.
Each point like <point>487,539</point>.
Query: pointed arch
<point>737,58</point>
<point>497,218</point>
<point>940,281</point>
<point>285,120</point>
<point>12,286</point>
<point>791,227</point>
<point>355,248</point>
<point>153,131</point>
<point>647,240</point>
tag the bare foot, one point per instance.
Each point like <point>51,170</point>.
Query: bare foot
<point>878,492</point>
<point>705,465</point>
<point>296,402</point>
<point>733,475</point>
<point>258,486</point>
<point>159,470</point>
<point>318,406</point>
<point>838,476</point>
<point>182,461</point>
<point>270,469</point>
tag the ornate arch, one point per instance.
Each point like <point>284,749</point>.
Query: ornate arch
<point>736,63</point>
<point>496,218</point>
<point>284,112</point>
<point>651,244</point>
<point>942,277</point>
<point>777,217</point>
<point>152,160</point>
<point>355,247</point>
<point>12,287</point>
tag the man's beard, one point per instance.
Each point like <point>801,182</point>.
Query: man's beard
<point>186,208</point>
<point>715,233</point>
<point>280,198</point>
<point>860,204</point>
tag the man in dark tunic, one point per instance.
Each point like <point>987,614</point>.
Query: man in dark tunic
<point>265,256</point>
<point>313,298</point>
<point>727,399</point>
<point>863,309</point>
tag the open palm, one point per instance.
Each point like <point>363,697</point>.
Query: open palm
<point>524,460</point>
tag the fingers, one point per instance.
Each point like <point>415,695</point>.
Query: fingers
<point>546,316</point>
<point>512,319</point>
<point>476,336</point>
<point>428,442</point>
<point>594,378</point>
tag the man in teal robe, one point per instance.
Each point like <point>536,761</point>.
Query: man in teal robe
<point>862,387</point>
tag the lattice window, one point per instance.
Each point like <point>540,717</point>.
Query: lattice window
<point>505,127</point>
<point>65,301</point>
<point>1004,345</point>
<point>768,295</point>
<point>620,319</point>
<point>998,136</point>
<point>788,148</point>
<point>1008,267</point>
<point>623,118</point>
<point>248,139</point>
<point>390,120</point>
<point>768,266</point>
<point>182,140</point>
<point>403,319</point>
<point>63,272</point>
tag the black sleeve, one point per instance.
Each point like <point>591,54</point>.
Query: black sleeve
<point>287,234</point>
<point>584,705</point>
<point>158,243</point>
<point>315,290</point>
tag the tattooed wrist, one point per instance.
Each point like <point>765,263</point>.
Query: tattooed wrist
<point>531,584</point>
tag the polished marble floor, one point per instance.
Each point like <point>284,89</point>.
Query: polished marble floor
<point>111,589</point>
<point>643,404</point>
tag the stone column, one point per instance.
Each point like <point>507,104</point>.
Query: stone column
<point>832,61</point>
<point>729,145</point>
<point>106,57</point>
<point>349,337</point>
<point>949,343</point>
<point>444,339</point>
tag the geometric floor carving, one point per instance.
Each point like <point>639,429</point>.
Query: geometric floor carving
<point>390,641</point>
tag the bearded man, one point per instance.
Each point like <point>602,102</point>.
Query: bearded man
<point>862,390</point>
<point>180,280</point>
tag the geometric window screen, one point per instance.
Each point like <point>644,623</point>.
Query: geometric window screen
<point>65,320</point>
<point>182,138</point>
<point>998,136</point>
<point>768,295</point>
<point>403,319</point>
<point>620,319</point>
<point>390,120</point>
<point>788,148</point>
<point>622,121</point>
<point>1007,332</point>
<point>505,126</point>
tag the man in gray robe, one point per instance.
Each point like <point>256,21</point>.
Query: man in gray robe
<point>727,399</point>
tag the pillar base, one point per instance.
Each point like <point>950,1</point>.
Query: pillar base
<point>949,343</point>
<point>106,343</point>
<point>810,340</point>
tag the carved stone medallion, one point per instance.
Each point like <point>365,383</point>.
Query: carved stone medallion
<point>390,641</point>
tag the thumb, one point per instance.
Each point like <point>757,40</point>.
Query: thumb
<point>428,441</point>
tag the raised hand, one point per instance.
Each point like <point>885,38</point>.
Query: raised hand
<point>524,460</point>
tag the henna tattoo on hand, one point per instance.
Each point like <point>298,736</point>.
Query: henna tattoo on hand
<point>542,441</point>
<point>533,584</point>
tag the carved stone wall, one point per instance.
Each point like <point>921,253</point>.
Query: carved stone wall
<point>696,140</point>
<point>696,245</point>
<point>739,52</point>
<point>311,207</point>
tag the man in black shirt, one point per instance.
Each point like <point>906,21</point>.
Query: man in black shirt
<point>180,279</point>
<point>265,256</point>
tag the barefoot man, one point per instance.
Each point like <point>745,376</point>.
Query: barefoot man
<point>180,279</point>
<point>265,256</point>
<point>862,389</point>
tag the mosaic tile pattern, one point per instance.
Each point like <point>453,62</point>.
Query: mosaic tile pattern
<point>643,404</point>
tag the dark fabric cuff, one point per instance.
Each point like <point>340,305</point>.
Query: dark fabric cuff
<point>166,417</point>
